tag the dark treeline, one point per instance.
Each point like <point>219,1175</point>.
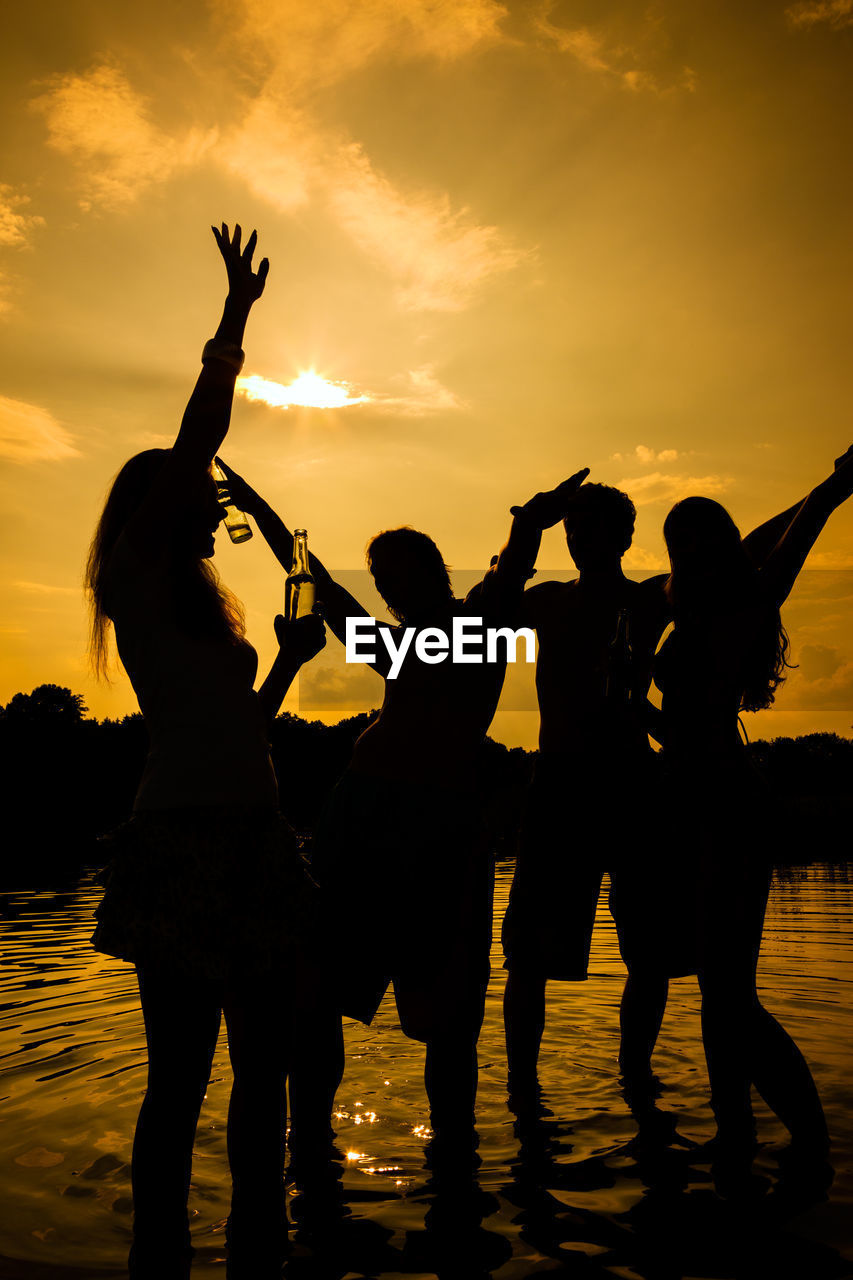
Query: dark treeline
<point>69,778</point>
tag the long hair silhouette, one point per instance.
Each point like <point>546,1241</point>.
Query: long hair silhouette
<point>712,575</point>
<point>203,607</point>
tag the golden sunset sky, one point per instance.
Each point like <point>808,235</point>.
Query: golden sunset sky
<point>529,237</point>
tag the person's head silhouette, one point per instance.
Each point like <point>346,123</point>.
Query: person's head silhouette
<point>713,577</point>
<point>703,540</point>
<point>202,604</point>
<point>409,573</point>
<point>599,525</point>
<point>199,515</point>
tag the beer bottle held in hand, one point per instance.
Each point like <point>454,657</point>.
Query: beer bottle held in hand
<point>618,680</point>
<point>299,589</point>
<point>236,522</point>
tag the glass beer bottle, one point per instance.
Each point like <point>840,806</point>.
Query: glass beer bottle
<point>236,522</point>
<point>299,588</point>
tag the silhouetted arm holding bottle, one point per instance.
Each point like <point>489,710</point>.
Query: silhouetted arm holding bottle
<point>298,642</point>
<point>208,413</point>
<point>338,604</point>
<point>780,568</point>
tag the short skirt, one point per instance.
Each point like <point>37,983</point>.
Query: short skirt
<point>211,894</point>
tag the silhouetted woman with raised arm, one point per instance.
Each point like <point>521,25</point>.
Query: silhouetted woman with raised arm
<point>206,891</point>
<point>725,655</point>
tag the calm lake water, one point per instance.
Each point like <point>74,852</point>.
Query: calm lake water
<point>572,1193</point>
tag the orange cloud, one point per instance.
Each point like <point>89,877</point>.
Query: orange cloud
<point>308,389</point>
<point>642,453</point>
<point>29,433</point>
<point>45,589</point>
<point>657,487</point>
<point>437,255</point>
<point>598,53</point>
<point>102,123</point>
<point>15,225</point>
<point>308,47</point>
<point>420,394</point>
<point>837,13</point>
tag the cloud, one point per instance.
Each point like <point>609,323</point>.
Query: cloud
<point>819,661</point>
<point>15,225</point>
<point>421,394</point>
<point>45,589</point>
<point>424,395</point>
<point>657,487</point>
<point>102,123</point>
<point>438,255</point>
<point>351,686</point>
<point>639,558</point>
<point>154,439</point>
<point>642,453</point>
<point>309,47</point>
<point>29,433</point>
<point>807,13</point>
<point>830,560</point>
<point>596,52</point>
<point>308,389</point>
<point>277,152</point>
<point>822,681</point>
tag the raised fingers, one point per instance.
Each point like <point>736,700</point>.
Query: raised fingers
<point>250,248</point>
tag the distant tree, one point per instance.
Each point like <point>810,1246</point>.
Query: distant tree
<point>47,702</point>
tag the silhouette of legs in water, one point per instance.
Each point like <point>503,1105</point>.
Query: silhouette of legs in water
<point>446,1013</point>
<point>181,1029</point>
<point>548,927</point>
<point>316,1073</point>
<point>524,1022</point>
<point>182,1023</point>
<point>744,1044</point>
<point>640,1016</point>
<point>257,1117</point>
<point>450,1079</point>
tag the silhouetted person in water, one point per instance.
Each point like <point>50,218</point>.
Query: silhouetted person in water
<point>726,654</point>
<point>590,805</point>
<point>401,847</point>
<point>206,891</point>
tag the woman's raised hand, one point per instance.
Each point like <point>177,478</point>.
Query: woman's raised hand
<point>245,286</point>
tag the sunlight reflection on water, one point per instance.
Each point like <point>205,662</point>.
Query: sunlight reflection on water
<point>572,1189</point>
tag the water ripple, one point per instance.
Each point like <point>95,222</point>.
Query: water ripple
<point>571,1187</point>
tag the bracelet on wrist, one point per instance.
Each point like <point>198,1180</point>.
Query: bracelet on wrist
<point>229,352</point>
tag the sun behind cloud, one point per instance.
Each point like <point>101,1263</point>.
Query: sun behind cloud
<point>308,389</point>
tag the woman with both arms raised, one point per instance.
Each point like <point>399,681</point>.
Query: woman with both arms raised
<point>726,654</point>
